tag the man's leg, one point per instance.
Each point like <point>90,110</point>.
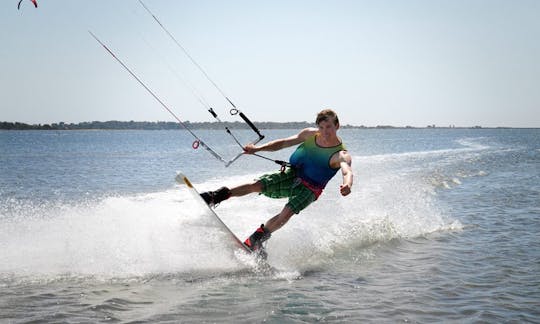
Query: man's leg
<point>213,198</point>
<point>241,190</point>
<point>276,222</point>
<point>263,233</point>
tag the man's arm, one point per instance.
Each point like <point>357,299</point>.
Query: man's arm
<point>345,162</point>
<point>281,143</point>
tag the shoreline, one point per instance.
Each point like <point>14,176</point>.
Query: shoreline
<point>145,125</point>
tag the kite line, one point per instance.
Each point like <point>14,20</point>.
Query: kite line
<point>198,141</point>
<point>233,111</point>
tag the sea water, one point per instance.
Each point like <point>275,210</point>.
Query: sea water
<point>442,225</point>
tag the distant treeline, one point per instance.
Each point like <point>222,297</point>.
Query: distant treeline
<point>160,125</point>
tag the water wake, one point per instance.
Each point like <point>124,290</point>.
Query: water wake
<point>161,233</point>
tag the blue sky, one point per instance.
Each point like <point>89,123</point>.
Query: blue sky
<point>398,63</point>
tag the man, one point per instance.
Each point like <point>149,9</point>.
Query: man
<point>316,160</point>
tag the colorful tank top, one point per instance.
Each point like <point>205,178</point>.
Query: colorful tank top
<point>312,163</point>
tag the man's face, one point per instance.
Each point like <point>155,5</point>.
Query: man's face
<point>327,129</point>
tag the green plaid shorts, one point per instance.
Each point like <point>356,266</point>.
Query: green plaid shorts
<point>286,184</point>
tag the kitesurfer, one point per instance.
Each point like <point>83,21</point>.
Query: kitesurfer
<point>319,156</point>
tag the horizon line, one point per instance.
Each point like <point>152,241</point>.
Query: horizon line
<point>56,125</point>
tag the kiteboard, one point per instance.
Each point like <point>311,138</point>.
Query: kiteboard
<point>183,180</point>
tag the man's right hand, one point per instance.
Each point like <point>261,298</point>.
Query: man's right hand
<point>250,149</point>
